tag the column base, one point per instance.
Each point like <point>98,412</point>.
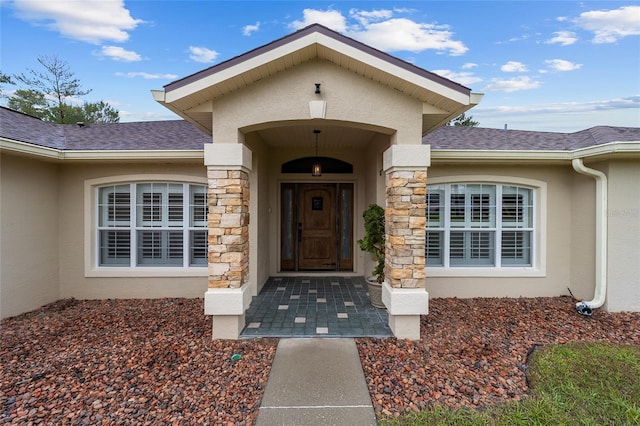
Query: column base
<point>227,326</point>
<point>227,307</point>
<point>405,305</point>
<point>405,326</point>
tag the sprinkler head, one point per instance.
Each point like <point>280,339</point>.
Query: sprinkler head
<point>584,309</point>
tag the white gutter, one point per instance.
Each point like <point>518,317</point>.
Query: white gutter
<point>122,154</point>
<point>586,307</point>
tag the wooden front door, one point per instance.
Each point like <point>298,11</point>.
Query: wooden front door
<point>317,227</point>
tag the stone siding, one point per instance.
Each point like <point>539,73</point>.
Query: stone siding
<point>405,228</point>
<point>228,219</point>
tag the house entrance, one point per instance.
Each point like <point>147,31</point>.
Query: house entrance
<point>317,227</point>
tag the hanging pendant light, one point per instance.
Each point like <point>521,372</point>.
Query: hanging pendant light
<point>316,168</point>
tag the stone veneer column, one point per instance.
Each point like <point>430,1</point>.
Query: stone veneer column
<point>227,297</point>
<point>228,222</point>
<point>404,293</point>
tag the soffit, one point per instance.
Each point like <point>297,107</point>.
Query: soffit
<point>331,136</point>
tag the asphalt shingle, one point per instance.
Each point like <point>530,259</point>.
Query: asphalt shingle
<point>145,135</point>
<point>25,128</point>
<point>181,135</point>
<point>476,138</point>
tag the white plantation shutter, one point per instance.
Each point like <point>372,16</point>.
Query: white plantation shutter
<point>479,225</point>
<point>198,253</point>
<point>115,247</point>
<point>169,229</point>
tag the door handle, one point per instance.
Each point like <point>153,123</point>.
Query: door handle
<point>299,232</point>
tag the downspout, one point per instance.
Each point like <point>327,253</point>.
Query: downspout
<point>587,307</point>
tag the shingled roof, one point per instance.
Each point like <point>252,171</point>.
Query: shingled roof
<point>321,29</point>
<point>476,138</point>
<point>180,135</point>
<point>145,135</point>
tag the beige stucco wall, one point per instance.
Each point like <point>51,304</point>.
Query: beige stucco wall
<point>259,213</point>
<point>349,98</point>
<point>560,214</point>
<point>583,225</point>
<point>623,215</point>
<point>29,227</point>
<point>73,239</point>
<point>374,190</point>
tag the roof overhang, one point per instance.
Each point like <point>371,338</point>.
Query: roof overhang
<point>617,150</point>
<point>53,154</point>
<point>191,97</point>
<point>612,150</point>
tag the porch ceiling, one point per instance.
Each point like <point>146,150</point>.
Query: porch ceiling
<point>192,96</point>
<point>330,136</point>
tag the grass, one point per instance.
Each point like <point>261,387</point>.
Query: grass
<point>577,383</point>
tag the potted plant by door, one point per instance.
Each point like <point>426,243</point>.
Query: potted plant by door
<point>373,242</point>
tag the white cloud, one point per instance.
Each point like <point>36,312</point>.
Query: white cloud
<point>117,53</point>
<point>563,38</point>
<point>329,18</point>
<point>609,26</point>
<point>70,99</point>
<point>380,29</point>
<point>248,29</point>
<point>469,65</point>
<point>561,116</point>
<point>515,39</point>
<point>406,10</point>
<point>129,116</point>
<point>147,76</point>
<point>202,54</point>
<point>631,102</point>
<point>513,85</point>
<point>404,34</point>
<point>92,22</point>
<point>514,66</point>
<point>364,17</point>
<point>464,78</point>
<point>562,65</point>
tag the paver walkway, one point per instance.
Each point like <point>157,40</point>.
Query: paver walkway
<point>315,306</point>
<point>316,382</point>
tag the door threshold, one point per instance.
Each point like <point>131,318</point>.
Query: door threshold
<point>316,274</point>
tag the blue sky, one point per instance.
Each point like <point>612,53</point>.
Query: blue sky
<point>544,65</point>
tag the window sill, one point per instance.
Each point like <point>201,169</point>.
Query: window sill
<point>485,272</point>
<point>150,272</point>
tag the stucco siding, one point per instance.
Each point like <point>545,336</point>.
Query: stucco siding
<point>74,240</point>
<point>349,99</point>
<point>555,275</point>
<point>583,237</point>
<point>29,227</point>
<point>259,214</point>
<point>623,215</point>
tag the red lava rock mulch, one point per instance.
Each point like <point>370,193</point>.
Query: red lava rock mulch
<point>127,362</point>
<point>472,352</point>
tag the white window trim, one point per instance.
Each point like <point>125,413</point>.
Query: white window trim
<point>539,254</point>
<point>91,264</point>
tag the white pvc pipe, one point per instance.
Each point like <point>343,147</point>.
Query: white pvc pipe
<point>601,235</point>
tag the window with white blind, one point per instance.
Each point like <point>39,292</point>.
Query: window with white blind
<point>479,225</point>
<point>152,224</point>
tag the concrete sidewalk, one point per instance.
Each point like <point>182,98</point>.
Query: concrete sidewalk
<point>316,382</point>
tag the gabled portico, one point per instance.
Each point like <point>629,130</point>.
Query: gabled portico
<point>262,108</point>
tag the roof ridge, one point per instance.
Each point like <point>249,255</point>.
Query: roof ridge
<point>315,27</point>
